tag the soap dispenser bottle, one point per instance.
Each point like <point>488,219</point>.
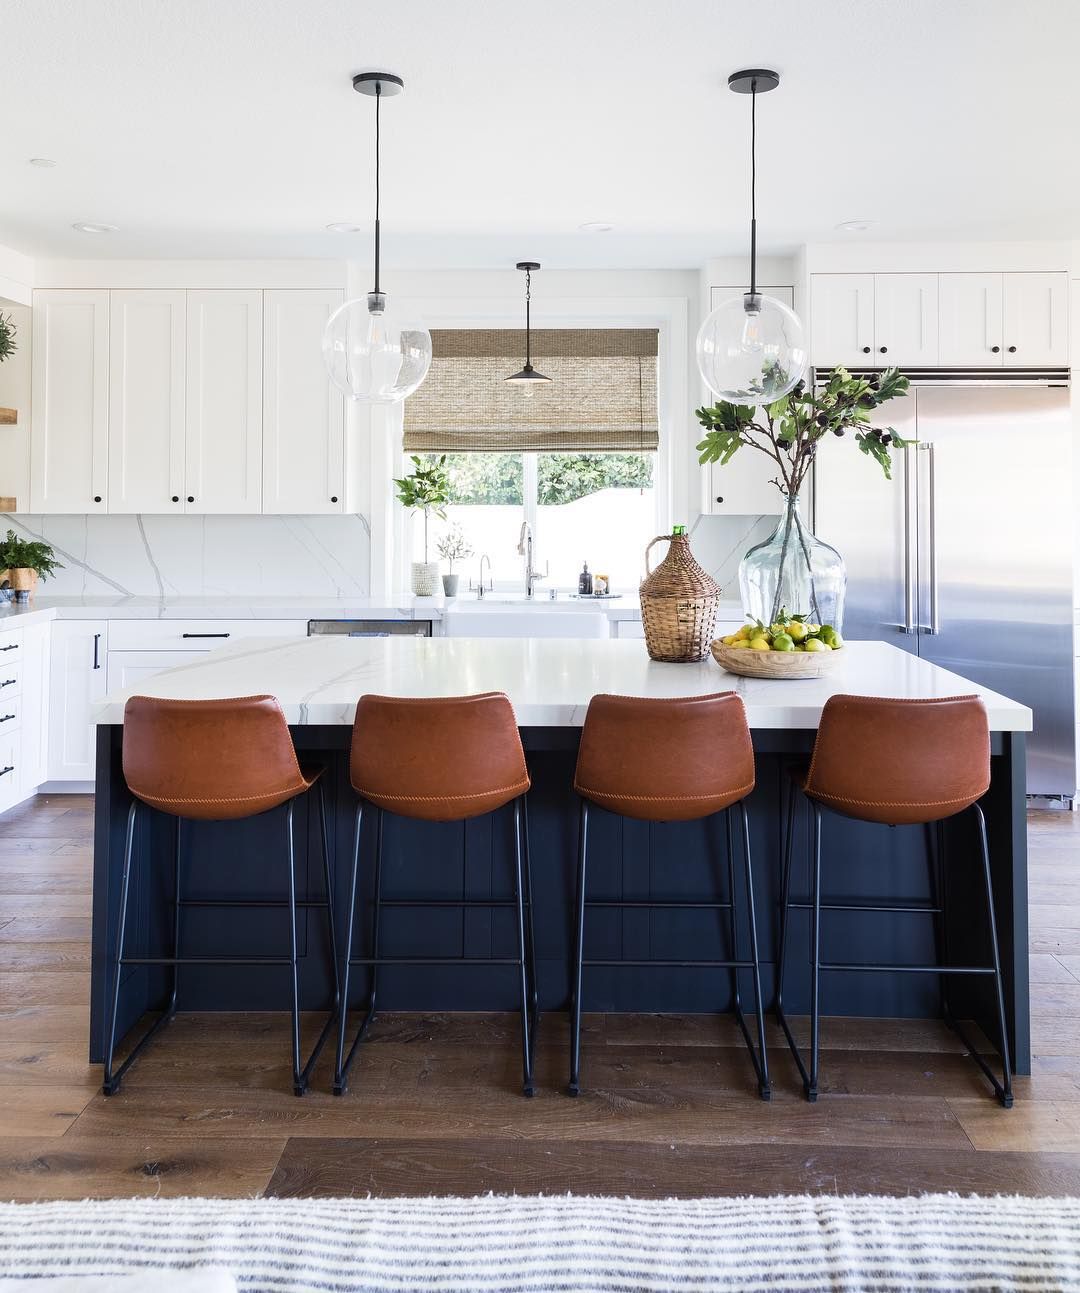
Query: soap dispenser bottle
<point>584,582</point>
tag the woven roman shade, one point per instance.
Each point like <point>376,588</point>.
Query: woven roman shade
<point>602,393</point>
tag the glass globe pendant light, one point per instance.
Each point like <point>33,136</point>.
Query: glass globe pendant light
<point>372,356</point>
<point>752,348</point>
<point>528,375</point>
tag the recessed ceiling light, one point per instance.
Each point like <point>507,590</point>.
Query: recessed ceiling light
<point>42,161</point>
<point>596,226</point>
<point>86,226</point>
<point>856,226</point>
<point>344,228</point>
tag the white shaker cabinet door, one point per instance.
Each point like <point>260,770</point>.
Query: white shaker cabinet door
<point>69,428</point>
<point>34,706</point>
<point>223,470</point>
<point>1036,314</point>
<point>303,412</point>
<point>905,320</point>
<point>842,320</point>
<point>970,314</point>
<point>77,684</point>
<point>147,347</point>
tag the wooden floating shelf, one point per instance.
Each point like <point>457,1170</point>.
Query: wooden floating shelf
<point>8,417</point>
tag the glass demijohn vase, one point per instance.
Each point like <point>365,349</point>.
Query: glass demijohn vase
<point>795,572</point>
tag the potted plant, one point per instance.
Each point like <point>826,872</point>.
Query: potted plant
<point>793,568</point>
<point>24,561</point>
<point>453,546</point>
<point>426,490</point>
<point>7,337</point>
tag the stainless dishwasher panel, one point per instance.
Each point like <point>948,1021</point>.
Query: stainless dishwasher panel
<point>370,628</point>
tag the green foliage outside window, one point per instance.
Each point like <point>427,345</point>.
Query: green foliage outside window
<point>492,478</point>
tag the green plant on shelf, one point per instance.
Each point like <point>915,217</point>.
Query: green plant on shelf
<point>27,554</point>
<point>8,333</point>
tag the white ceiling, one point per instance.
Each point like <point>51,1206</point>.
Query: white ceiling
<point>207,128</point>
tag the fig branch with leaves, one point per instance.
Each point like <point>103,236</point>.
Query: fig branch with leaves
<point>790,429</point>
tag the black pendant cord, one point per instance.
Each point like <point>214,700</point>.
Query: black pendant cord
<point>378,103</point>
<point>753,191</point>
<point>528,319</point>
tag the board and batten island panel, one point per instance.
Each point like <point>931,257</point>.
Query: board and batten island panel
<point>550,683</point>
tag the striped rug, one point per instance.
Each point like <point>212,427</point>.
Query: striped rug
<point>560,1245</point>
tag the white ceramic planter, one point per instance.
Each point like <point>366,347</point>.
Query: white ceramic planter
<point>425,578</point>
<point>450,585</point>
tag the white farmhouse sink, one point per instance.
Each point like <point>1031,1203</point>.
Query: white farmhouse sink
<point>509,620</point>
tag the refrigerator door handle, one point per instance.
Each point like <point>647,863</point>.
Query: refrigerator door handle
<point>931,527</point>
<point>908,625</point>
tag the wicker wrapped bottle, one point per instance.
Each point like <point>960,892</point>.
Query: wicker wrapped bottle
<point>678,603</point>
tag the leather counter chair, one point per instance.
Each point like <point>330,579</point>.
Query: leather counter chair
<point>215,760</point>
<point>896,763</point>
<point>665,761</point>
<point>440,760</point>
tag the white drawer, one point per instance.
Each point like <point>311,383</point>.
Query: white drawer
<point>11,645</point>
<point>10,680</point>
<point>9,771</point>
<point>10,714</point>
<point>194,635</point>
<point>629,629</point>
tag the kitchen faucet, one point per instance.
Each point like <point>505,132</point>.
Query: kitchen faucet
<point>525,549</point>
<point>480,589</point>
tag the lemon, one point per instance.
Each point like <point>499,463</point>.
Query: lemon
<point>744,632</point>
<point>797,631</point>
<point>816,644</point>
<point>727,641</point>
<point>740,642</point>
<point>760,644</point>
<point>782,642</point>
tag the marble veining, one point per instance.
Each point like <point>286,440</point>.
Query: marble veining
<point>549,681</point>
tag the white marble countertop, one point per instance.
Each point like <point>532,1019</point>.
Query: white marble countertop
<point>549,681</point>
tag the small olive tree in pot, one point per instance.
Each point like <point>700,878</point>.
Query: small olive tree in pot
<point>453,546</point>
<point>426,489</point>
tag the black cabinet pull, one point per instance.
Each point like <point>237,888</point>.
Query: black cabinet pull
<point>719,498</point>
<point>13,647</point>
<point>866,350</point>
<point>6,718</point>
<point>5,771</point>
<point>333,498</point>
<point>884,350</point>
<point>97,650</point>
<point>176,498</point>
<point>97,498</point>
<point>206,635</point>
<point>8,682</point>
<point>1012,350</point>
<point>191,498</point>
<point>996,350</point>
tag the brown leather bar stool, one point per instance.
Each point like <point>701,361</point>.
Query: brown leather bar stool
<point>669,761</point>
<point>444,760</point>
<point>897,763</point>
<point>215,760</point>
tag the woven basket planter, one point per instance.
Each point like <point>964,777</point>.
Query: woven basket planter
<point>678,603</point>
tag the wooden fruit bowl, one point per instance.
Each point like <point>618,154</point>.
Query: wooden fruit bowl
<point>749,663</point>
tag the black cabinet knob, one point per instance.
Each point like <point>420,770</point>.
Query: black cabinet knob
<point>884,349</point>
<point>97,498</point>
<point>996,350</point>
<point>176,498</point>
<point>866,350</point>
<point>333,498</point>
<point>191,498</point>
<point>719,498</point>
<point>1012,350</point>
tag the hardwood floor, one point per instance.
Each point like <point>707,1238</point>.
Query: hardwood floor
<point>434,1107</point>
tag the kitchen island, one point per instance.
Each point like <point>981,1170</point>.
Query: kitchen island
<point>550,683</point>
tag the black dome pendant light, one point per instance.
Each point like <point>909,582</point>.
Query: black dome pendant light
<point>527,374</point>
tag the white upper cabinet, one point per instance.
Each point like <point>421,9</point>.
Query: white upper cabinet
<point>69,444</point>
<point>906,320</point>
<point>303,413</point>
<point>1036,313</point>
<point>223,461</point>
<point>147,348</point>
<point>842,320</point>
<point>971,315</point>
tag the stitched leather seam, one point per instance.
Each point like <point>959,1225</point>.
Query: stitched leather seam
<point>897,803</point>
<point>666,799</point>
<point>216,799</point>
<point>440,799</point>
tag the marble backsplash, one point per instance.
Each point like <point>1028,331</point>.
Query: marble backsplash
<point>719,543</point>
<point>211,556</point>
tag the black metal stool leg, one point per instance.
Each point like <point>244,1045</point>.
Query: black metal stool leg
<point>111,1083</point>
<point>574,1085</point>
<point>934,849</point>
<point>761,1065</point>
<point>815,958</point>
<point>523,957</point>
<point>1003,1089</point>
<point>530,926</point>
<point>733,928</point>
<point>171,1008</point>
<point>785,922</point>
<point>350,923</point>
<point>299,1081</point>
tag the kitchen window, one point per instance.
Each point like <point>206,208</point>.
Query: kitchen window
<point>575,457</point>
<point>594,507</point>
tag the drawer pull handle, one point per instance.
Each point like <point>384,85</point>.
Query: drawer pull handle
<point>6,718</point>
<point>13,647</point>
<point>206,635</point>
<point>5,771</point>
<point>97,650</point>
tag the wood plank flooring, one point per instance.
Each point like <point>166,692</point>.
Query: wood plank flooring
<point>669,1108</point>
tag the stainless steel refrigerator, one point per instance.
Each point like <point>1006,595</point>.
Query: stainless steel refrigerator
<point>966,557</point>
